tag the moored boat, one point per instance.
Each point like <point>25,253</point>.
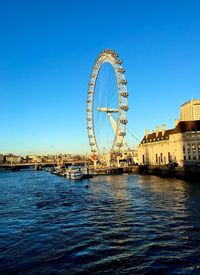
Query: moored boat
<point>75,173</point>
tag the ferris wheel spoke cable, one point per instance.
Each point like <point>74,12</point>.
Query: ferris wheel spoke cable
<point>108,93</point>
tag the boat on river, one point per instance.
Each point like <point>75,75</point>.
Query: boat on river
<point>72,172</point>
<point>75,173</point>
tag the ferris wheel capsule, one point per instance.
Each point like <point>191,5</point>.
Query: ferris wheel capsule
<point>124,94</point>
<point>117,61</point>
<point>123,81</point>
<point>120,70</point>
<point>124,108</point>
<point>124,121</point>
<point>122,134</point>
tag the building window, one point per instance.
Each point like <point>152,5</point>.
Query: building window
<point>169,157</point>
<point>194,151</point>
<point>199,151</point>
<point>189,153</point>
<point>156,158</point>
<point>143,159</point>
<point>161,159</point>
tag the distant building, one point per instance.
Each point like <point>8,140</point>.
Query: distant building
<point>190,110</point>
<point>180,145</point>
<point>33,159</point>
<point>48,158</point>
<point>1,158</point>
<point>10,158</point>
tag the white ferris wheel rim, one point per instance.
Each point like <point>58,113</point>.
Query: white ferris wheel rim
<point>111,57</point>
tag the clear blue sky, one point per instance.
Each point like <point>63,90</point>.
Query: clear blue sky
<point>47,50</point>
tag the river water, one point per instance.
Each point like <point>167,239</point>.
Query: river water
<point>126,224</point>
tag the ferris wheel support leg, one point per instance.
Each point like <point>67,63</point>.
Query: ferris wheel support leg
<point>95,163</point>
<point>118,164</point>
<point>113,123</point>
<point>108,160</point>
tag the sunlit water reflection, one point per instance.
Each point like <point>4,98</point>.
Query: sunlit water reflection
<point>120,224</point>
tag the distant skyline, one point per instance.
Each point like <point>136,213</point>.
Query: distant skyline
<point>47,51</point>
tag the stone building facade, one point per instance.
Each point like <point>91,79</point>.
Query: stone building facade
<point>180,145</point>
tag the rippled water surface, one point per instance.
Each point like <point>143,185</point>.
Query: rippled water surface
<point>128,224</point>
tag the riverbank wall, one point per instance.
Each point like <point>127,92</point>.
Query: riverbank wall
<point>189,172</point>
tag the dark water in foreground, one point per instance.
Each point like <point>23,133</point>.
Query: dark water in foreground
<point>128,224</point>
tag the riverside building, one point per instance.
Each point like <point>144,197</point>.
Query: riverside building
<point>180,145</point>
<point>190,110</point>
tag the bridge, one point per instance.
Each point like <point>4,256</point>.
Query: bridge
<point>37,165</point>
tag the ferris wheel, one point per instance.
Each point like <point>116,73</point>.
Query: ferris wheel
<point>117,114</point>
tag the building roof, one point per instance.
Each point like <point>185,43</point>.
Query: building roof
<point>187,126</point>
<point>181,127</point>
<point>191,101</point>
